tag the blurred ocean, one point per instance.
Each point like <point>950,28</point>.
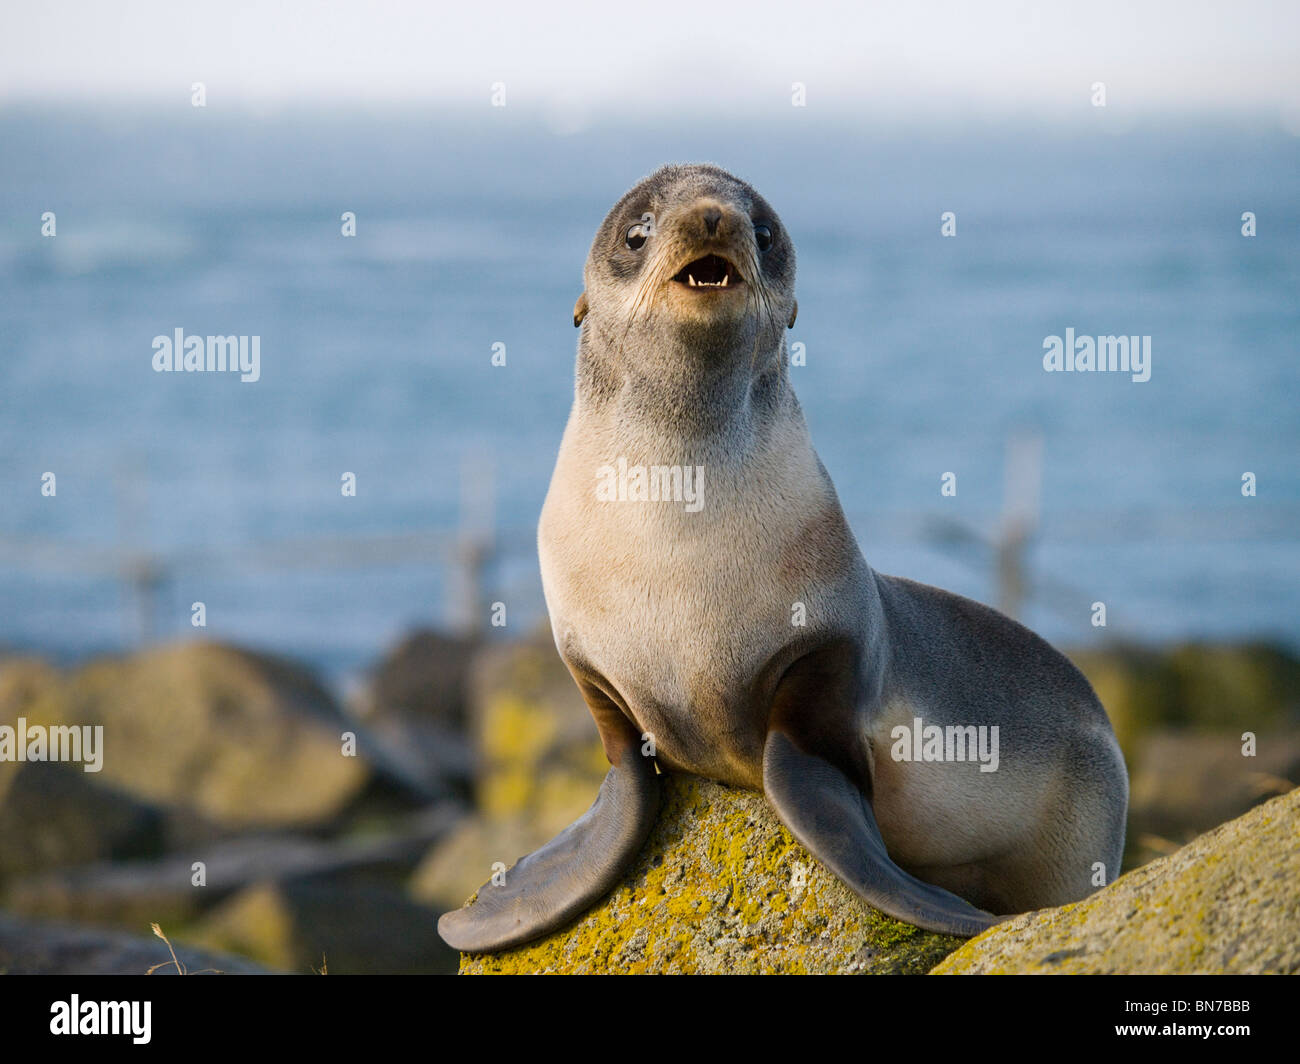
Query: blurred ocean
<point>924,355</point>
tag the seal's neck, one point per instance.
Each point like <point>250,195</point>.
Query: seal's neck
<point>703,392</point>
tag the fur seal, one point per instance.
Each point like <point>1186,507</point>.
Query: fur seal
<point>682,623</point>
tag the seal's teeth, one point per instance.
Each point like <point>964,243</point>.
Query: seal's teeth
<point>691,277</point>
<point>724,280</point>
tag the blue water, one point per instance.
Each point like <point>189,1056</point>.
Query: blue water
<point>924,356</point>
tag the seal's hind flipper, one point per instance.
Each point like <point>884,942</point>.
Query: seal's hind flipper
<point>551,886</point>
<point>829,815</point>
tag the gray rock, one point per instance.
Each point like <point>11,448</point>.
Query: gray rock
<point>54,815</point>
<point>137,893</point>
<point>425,677</point>
<point>39,948</point>
<point>341,928</point>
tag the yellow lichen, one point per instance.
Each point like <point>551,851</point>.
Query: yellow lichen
<point>711,892</point>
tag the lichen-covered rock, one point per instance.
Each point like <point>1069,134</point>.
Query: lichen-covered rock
<point>1228,902</point>
<point>722,887</point>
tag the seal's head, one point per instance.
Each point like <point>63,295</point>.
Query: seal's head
<point>695,256</point>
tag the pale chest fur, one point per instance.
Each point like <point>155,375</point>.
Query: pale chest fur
<point>683,612</point>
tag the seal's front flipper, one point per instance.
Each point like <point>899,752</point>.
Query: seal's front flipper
<point>551,886</point>
<point>829,815</point>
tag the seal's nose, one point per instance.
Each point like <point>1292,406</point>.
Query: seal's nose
<point>712,216</point>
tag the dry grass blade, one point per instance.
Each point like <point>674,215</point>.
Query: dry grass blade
<point>180,968</point>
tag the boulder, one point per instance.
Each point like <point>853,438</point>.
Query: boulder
<point>1184,783</point>
<point>23,681</point>
<point>540,767</point>
<point>137,893</point>
<point>54,815</point>
<point>416,700</point>
<point>1249,686</point>
<point>425,677</point>
<point>40,948</point>
<point>1226,903</point>
<point>342,928</point>
<point>455,867</point>
<point>243,740</point>
<point>722,887</point>
<point>539,751</point>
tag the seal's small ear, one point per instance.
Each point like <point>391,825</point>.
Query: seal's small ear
<point>580,310</point>
<point>794,313</point>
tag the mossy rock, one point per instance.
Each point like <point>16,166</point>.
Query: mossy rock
<point>722,887</point>
<point>1225,903</point>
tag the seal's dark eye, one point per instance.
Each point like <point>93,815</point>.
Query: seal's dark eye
<point>764,237</point>
<point>635,237</point>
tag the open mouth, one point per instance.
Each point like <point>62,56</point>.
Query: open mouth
<point>712,271</point>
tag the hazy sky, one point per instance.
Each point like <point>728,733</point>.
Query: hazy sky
<point>897,58</point>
